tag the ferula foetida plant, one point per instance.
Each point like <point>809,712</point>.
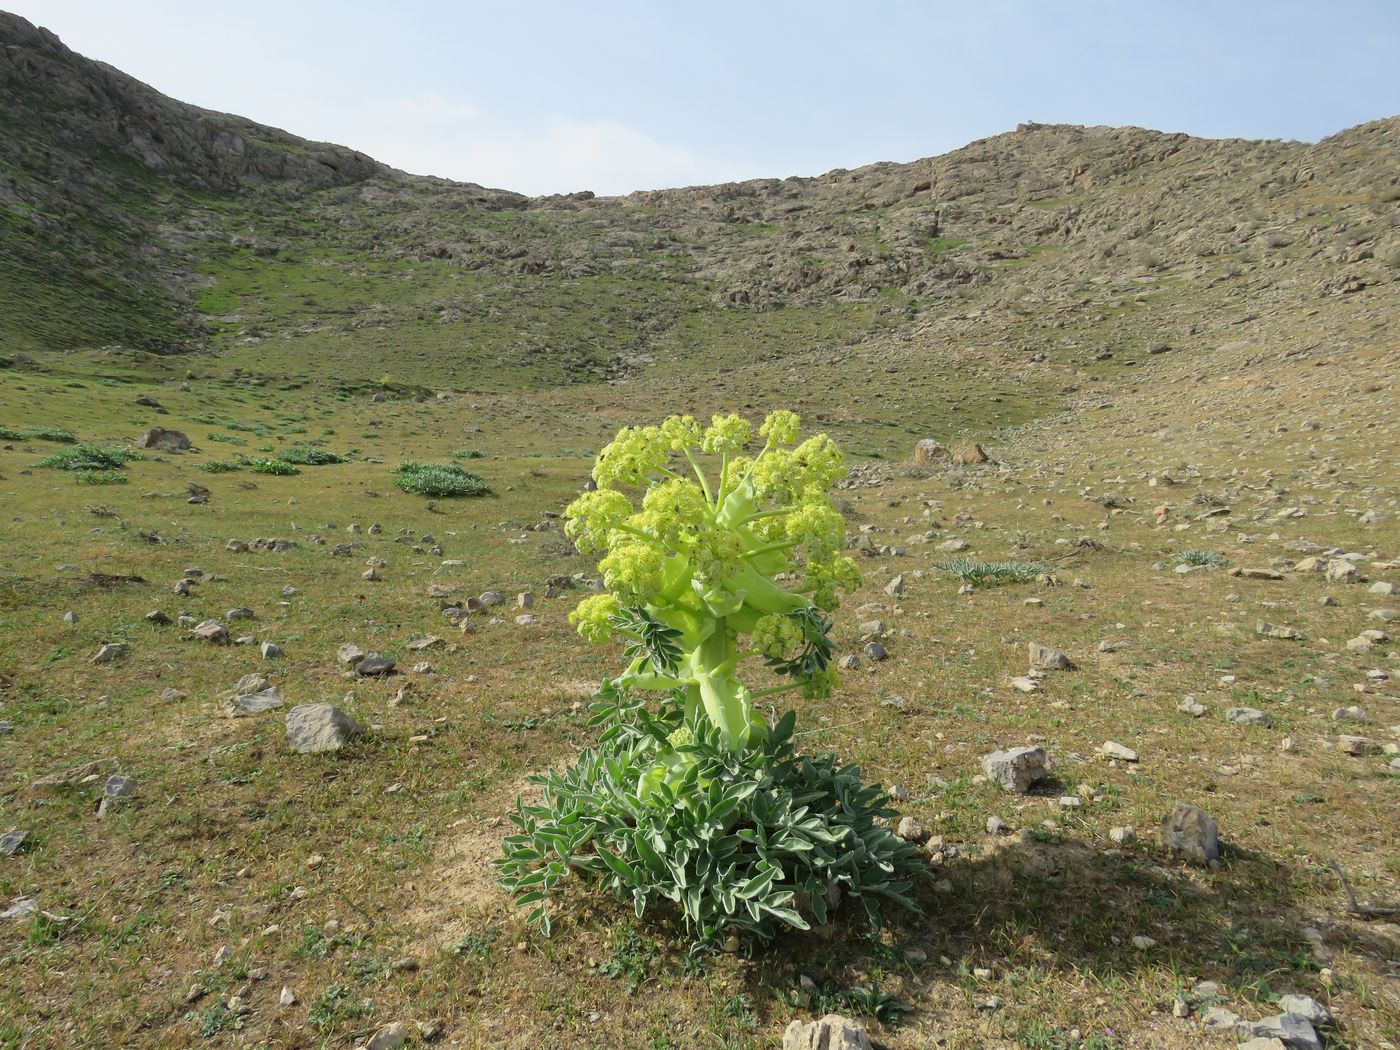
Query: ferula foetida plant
<point>721,556</point>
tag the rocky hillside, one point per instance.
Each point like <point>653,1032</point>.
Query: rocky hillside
<point>118,202</point>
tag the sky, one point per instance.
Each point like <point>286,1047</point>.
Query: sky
<point>622,95</point>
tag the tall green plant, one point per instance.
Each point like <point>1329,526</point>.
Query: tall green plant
<point>714,580</point>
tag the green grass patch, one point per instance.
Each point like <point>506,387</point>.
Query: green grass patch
<point>309,456</point>
<point>1207,559</point>
<point>220,466</point>
<point>88,458</point>
<point>279,467</point>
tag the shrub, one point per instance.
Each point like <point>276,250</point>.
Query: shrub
<point>220,466</point>
<point>88,457</point>
<point>101,477</point>
<point>700,806</point>
<point>467,453</point>
<point>1209,559</point>
<point>272,466</point>
<point>309,456</point>
<point>39,433</point>
<point>992,573</point>
<point>438,480</point>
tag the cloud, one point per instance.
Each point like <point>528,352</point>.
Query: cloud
<point>431,134</point>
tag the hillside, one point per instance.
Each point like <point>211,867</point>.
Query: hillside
<point>1179,355</point>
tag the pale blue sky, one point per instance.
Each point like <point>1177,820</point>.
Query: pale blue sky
<point>616,96</point>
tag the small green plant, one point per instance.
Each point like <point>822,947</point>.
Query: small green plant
<point>439,480</point>
<point>336,1005</point>
<point>100,477</point>
<point>309,456</point>
<point>272,466</point>
<point>88,457</point>
<point>699,803</point>
<point>633,958</point>
<point>1206,559</point>
<point>227,439</point>
<point>467,453</point>
<point>39,433</point>
<point>992,573</point>
<point>220,466</point>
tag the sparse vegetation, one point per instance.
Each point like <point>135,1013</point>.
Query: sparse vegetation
<point>439,480</point>
<point>991,573</point>
<point>88,458</point>
<point>272,466</point>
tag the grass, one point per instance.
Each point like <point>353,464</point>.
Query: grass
<point>39,433</point>
<point>1204,559</point>
<point>88,458</point>
<point>308,456</point>
<point>279,468</point>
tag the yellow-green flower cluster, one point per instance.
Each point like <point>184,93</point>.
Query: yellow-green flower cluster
<point>592,616</point>
<point>776,636</point>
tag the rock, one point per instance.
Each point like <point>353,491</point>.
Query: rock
<point>929,453</point>
<point>1018,768</point>
<point>211,631</point>
<point>270,651</point>
<point>1293,1031</point>
<point>971,453</point>
<point>22,908</point>
<point>1382,587</point>
<point>849,662</point>
<point>162,440</point>
<point>910,830</point>
<point>1341,571</point>
<point>953,546</point>
<point>1306,1007</point>
<point>373,664</point>
<point>1310,565</point>
<point>157,617</point>
<point>390,1037</point>
<point>240,613</point>
<point>1190,706</point>
<point>490,599</point>
<point>1024,684</point>
<point>1248,716</point>
<point>370,575</point>
<point>287,998</point>
<point>1256,573</point>
<point>874,651</point>
<point>110,652</point>
<point>350,653</point>
<point>320,727</point>
<point>268,699</point>
<point>1143,943</point>
<point>1262,1044</point>
<point>11,841</point>
<point>1357,746</point>
<point>1189,831</point>
<point>1118,751</point>
<point>1049,658</point>
<point>997,826</point>
<point>118,786</point>
<point>832,1032</point>
<point>1273,630</point>
<point>1384,615</point>
<point>1122,836</point>
<point>1350,714</point>
<point>895,588</point>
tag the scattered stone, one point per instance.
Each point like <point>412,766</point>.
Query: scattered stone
<point>118,786</point>
<point>268,699</point>
<point>1384,615</point>
<point>849,662</point>
<point>241,613</point>
<point>1256,573</point>
<point>211,631</point>
<point>1341,571</point>
<point>895,588</point>
<point>70,617</point>
<point>1306,1007</point>
<point>350,653</point>
<point>162,440</point>
<point>910,830</point>
<point>1024,684</point>
<point>1273,630</point>
<point>270,651</point>
<point>1248,716</point>
<point>1049,658</point>
<point>1018,768</point>
<point>157,617</point>
<point>832,1032</point>
<point>110,652</point>
<point>929,453</point>
<point>1189,831</point>
<point>1350,714</point>
<point>1190,706</point>
<point>1115,750</point>
<point>22,908</point>
<point>997,826</point>
<point>953,546</point>
<point>1293,1031</point>
<point>287,998</point>
<point>320,727</point>
<point>1143,943</point>
<point>1357,746</point>
<point>11,841</point>
<point>874,651</point>
<point>1123,836</point>
<point>374,664</point>
<point>390,1037</point>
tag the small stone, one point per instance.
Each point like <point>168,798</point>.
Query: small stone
<point>1110,749</point>
<point>211,631</point>
<point>1070,802</point>
<point>1017,769</point>
<point>910,830</point>
<point>874,651</point>
<point>240,613</point>
<point>849,662</point>
<point>1350,714</point>
<point>1190,706</point>
<point>391,1037</point>
<point>157,617</point>
<point>1305,1007</point>
<point>349,653</point>
<point>1123,836</point>
<point>110,652</point>
<point>1143,943</point>
<point>11,841</point>
<point>832,1032</point>
<point>70,617</point>
<point>1049,658</point>
<point>268,699</point>
<point>1248,716</point>
<point>997,826</point>
<point>1191,832</point>
<point>895,588</point>
<point>118,786</point>
<point>1357,746</point>
<point>374,664</point>
<point>1273,630</point>
<point>320,727</point>
<point>270,651</point>
<point>287,998</point>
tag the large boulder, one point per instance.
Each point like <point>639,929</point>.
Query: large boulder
<point>1017,769</point>
<point>1190,832</point>
<point>929,453</point>
<point>161,440</point>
